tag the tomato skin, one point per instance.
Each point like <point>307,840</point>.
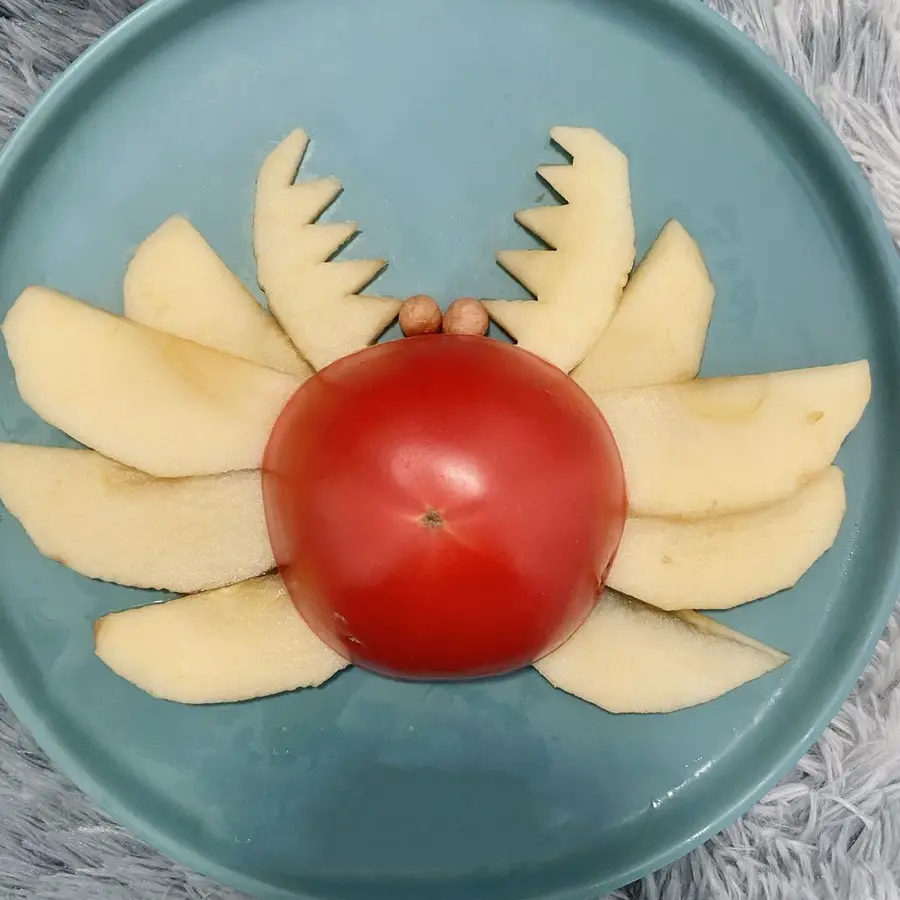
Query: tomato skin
<point>443,506</point>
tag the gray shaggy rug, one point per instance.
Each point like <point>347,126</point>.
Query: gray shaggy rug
<point>830,831</point>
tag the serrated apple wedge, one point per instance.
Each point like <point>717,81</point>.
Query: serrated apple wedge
<point>316,301</point>
<point>579,283</point>
<point>114,523</point>
<point>724,561</point>
<point>235,643</point>
<point>632,658</point>
<point>176,283</point>
<point>149,400</point>
<point>722,445</point>
<point>658,332</point>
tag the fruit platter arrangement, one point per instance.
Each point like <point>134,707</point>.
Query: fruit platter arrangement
<point>448,505</point>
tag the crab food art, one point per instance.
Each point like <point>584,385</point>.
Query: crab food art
<point>442,506</point>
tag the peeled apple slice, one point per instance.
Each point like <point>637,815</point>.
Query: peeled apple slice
<point>177,284</point>
<point>658,332</point>
<point>235,643</point>
<point>152,401</point>
<point>723,561</point>
<point>110,522</point>
<point>721,445</point>
<point>578,284</point>
<point>317,302</point>
<point>632,658</point>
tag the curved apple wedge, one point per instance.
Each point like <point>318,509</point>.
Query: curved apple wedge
<point>658,332</point>
<point>152,401</point>
<point>632,658</point>
<point>579,283</point>
<point>316,301</point>
<point>721,445</point>
<point>723,561</point>
<point>117,524</point>
<point>176,283</point>
<point>236,643</point>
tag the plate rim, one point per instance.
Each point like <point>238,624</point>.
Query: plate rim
<point>875,235</point>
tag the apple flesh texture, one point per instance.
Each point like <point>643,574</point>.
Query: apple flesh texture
<point>443,506</point>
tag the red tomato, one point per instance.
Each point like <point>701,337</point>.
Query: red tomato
<point>443,506</point>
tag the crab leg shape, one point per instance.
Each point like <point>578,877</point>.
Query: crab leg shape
<point>724,561</point>
<point>316,301</point>
<point>176,283</point>
<point>155,402</point>
<point>628,658</point>
<point>658,332</point>
<point>715,446</point>
<point>579,283</point>
<point>110,522</point>
<point>247,641</point>
<point>235,643</point>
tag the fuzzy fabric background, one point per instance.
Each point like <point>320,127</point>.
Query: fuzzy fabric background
<point>830,831</point>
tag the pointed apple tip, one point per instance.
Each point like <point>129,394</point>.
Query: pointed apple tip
<point>565,135</point>
<point>562,131</point>
<point>297,137</point>
<point>178,220</point>
<point>371,267</point>
<point>328,184</point>
<point>673,225</point>
<point>863,365</point>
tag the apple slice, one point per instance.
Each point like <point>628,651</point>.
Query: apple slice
<point>235,643</point>
<point>658,332</point>
<point>106,521</point>
<point>316,301</point>
<point>152,401</point>
<point>579,283</point>
<point>176,283</point>
<point>632,658</point>
<point>723,561</point>
<point>719,445</point>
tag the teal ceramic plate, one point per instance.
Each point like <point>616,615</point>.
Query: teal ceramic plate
<point>435,113</point>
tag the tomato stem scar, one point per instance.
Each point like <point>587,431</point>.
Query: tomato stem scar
<point>432,519</point>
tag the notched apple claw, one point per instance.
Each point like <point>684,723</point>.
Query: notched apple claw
<point>316,301</point>
<point>579,283</point>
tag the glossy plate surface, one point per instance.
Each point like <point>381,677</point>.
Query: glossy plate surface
<point>435,114</point>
